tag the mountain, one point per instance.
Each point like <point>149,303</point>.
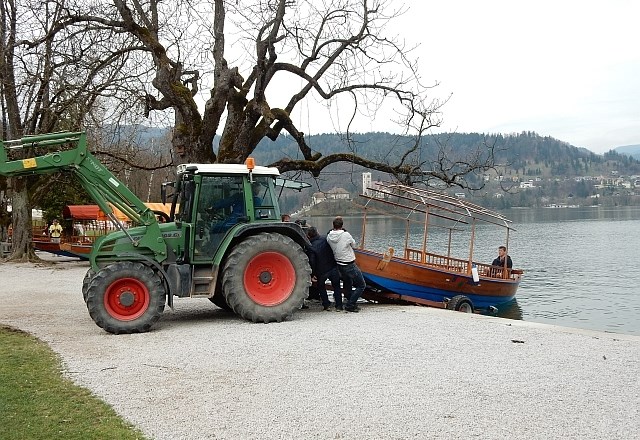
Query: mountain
<point>558,171</point>
<point>631,150</point>
<point>526,153</point>
<point>534,170</point>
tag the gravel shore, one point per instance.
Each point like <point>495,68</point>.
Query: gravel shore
<point>388,372</point>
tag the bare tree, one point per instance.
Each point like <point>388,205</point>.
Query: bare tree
<point>71,58</point>
<point>55,72</point>
<point>241,52</point>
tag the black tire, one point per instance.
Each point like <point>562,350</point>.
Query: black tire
<point>266,278</point>
<point>218,300</point>
<point>460,303</point>
<point>126,297</point>
<point>164,217</point>
<point>85,283</point>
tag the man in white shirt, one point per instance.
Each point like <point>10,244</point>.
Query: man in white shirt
<point>342,244</point>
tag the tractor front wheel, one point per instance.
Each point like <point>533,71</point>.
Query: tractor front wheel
<point>266,277</point>
<point>125,297</point>
<point>85,283</point>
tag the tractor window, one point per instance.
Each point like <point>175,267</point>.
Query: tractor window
<point>220,206</point>
<point>185,200</point>
<point>263,201</point>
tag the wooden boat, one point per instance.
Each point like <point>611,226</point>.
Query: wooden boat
<point>78,249</point>
<point>64,249</point>
<point>418,274</point>
<point>89,222</point>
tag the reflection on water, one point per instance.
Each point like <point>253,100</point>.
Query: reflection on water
<point>510,310</point>
<point>581,267</point>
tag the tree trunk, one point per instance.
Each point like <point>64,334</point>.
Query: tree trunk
<point>21,219</point>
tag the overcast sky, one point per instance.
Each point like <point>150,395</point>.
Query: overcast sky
<point>565,68</point>
<point>569,69</point>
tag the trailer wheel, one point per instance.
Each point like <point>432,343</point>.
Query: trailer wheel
<point>460,303</point>
<point>266,278</point>
<point>85,283</point>
<point>126,297</point>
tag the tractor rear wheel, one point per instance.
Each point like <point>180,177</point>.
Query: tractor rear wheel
<point>266,278</point>
<point>218,300</point>
<point>126,297</point>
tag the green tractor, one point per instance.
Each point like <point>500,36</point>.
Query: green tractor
<point>222,240</point>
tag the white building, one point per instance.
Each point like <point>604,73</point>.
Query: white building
<point>366,183</point>
<point>332,194</point>
<point>528,184</point>
<point>338,194</point>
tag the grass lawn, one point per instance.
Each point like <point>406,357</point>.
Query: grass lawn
<point>36,402</point>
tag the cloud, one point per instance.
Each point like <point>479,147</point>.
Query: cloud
<point>566,69</point>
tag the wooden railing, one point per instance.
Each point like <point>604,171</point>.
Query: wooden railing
<point>459,265</point>
<point>38,235</point>
<point>448,263</point>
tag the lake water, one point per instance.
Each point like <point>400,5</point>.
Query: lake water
<point>581,264</point>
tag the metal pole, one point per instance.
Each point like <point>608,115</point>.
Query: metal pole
<point>424,236</point>
<point>364,228</point>
<point>406,239</point>
<point>473,237</point>
<point>504,267</point>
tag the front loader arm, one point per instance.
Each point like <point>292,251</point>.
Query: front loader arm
<point>67,152</point>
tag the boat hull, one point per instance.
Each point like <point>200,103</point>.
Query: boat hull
<point>63,249</point>
<point>415,282</point>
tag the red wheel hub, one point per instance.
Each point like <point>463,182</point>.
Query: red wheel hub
<point>126,299</point>
<point>270,278</point>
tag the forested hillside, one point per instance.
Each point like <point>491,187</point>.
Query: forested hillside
<point>524,156</point>
<point>525,153</point>
<point>631,150</point>
<point>555,167</point>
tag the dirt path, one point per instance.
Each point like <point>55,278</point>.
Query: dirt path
<point>387,372</point>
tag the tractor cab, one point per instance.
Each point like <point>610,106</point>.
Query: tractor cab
<point>215,198</point>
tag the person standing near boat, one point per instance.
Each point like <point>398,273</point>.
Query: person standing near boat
<point>342,244</point>
<point>323,268</point>
<point>55,231</point>
<point>286,218</point>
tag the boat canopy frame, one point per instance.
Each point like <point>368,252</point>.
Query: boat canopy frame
<point>431,203</point>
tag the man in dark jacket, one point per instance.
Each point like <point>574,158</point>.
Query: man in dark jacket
<point>499,263</point>
<point>502,254</point>
<point>323,267</point>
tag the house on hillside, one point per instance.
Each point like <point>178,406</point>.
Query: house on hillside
<point>332,194</point>
<point>528,184</point>
<point>318,197</point>
<point>338,194</point>
<point>609,182</point>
